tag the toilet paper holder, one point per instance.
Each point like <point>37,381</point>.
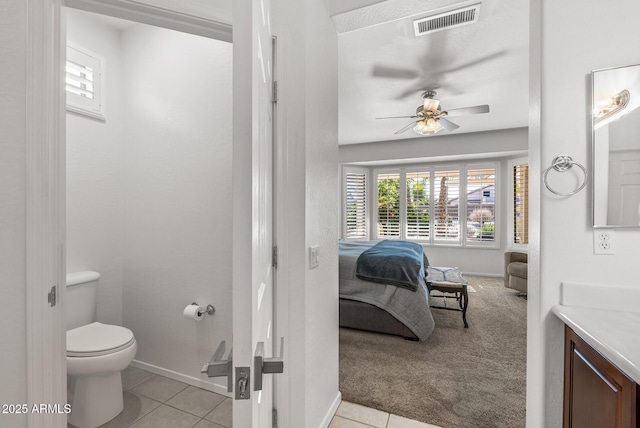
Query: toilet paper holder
<point>209,310</point>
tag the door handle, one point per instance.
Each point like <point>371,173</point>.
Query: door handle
<point>262,365</point>
<point>218,366</point>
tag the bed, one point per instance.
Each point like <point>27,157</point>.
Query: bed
<point>381,307</point>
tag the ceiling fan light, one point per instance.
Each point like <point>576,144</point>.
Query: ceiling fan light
<point>428,126</point>
<point>431,124</point>
<point>420,127</point>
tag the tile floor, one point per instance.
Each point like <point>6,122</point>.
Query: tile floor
<point>350,415</point>
<point>153,401</point>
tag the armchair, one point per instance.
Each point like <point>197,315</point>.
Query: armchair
<point>515,271</point>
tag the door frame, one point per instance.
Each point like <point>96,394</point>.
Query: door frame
<point>45,212</point>
<point>45,238</point>
<point>280,237</point>
<point>283,382</point>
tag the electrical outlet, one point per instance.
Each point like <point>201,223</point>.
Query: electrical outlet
<point>603,242</point>
<point>604,235</point>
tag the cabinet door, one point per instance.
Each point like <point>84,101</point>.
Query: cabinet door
<point>596,393</point>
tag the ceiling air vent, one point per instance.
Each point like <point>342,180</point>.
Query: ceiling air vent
<point>450,19</point>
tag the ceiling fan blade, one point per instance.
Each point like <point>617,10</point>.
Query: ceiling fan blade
<point>400,131</point>
<point>397,117</point>
<point>394,73</point>
<point>468,110</point>
<point>448,125</point>
<point>477,61</point>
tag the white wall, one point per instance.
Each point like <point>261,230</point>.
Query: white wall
<point>562,57</point>
<point>308,104</point>
<point>177,204</point>
<point>13,340</point>
<point>471,145</point>
<point>322,211</point>
<point>94,171</point>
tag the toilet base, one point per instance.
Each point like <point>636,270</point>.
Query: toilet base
<point>96,399</point>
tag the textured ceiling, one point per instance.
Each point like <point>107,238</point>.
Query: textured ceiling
<point>481,63</point>
<point>336,7</point>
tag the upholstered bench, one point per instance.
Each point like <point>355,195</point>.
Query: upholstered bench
<point>449,280</point>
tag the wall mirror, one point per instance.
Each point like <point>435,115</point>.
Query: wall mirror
<point>616,146</point>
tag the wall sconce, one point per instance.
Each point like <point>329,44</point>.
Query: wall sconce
<point>612,111</point>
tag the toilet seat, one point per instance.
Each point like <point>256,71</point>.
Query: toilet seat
<point>98,339</point>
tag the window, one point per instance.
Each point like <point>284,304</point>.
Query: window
<point>520,199</point>
<point>355,204</point>
<point>481,191</point>
<point>447,206</point>
<point>84,82</point>
<point>453,205</point>
<point>418,215</point>
<point>388,205</point>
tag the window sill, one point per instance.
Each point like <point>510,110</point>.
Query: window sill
<point>82,112</point>
<point>462,247</point>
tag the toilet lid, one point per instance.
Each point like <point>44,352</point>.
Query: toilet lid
<point>97,339</point>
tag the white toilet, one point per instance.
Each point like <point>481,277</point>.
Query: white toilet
<point>96,355</point>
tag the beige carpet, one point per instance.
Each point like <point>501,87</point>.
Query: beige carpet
<point>459,377</point>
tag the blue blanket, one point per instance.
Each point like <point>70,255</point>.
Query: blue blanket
<point>399,263</point>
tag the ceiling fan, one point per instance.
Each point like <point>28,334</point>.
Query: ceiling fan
<point>435,68</point>
<point>430,118</point>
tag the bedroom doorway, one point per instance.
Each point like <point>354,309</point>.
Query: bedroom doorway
<point>437,190</point>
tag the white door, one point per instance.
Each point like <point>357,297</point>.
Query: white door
<point>624,188</point>
<point>252,210</point>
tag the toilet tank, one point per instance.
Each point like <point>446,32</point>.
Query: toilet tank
<point>80,298</point>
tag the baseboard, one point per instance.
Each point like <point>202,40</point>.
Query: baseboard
<point>488,275</point>
<point>189,380</point>
<point>332,411</point>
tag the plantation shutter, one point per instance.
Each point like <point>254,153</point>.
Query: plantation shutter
<point>356,205</point>
<point>447,205</point>
<point>80,79</point>
<point>521,204</point>
<point>481,199</point>
<point>82,82</point>
<point>388,205</point>
<point>418,202</point>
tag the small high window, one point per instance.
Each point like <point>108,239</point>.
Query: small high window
<point>83,82</point>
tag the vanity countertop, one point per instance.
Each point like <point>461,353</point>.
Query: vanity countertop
<point>615,334</point>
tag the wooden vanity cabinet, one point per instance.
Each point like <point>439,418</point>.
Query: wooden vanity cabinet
<point>596,393</point>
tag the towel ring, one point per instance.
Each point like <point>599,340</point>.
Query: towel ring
<point>564,163</point>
